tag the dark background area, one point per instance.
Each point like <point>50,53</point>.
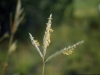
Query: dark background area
<point>73,21</point>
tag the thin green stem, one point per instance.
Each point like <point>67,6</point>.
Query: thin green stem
<point>11,40</point>
<point>43,67</point>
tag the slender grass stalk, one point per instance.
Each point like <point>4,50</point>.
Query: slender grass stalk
<point>43,67</point>
<point>6,61</point>
<point>11,40</point>
<point>13,28</point>
<point>46,42</point>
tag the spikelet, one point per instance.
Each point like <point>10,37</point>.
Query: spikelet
<point>6,35</point>
<point>69,51</point>
<point>46,39</point>
<point>12,47</point>
<point>37,43</point>
<point>18,17</point>
<point>34,42</point>
<point>66,51</point>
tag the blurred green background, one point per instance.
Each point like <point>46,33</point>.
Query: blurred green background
<point>73,21</point>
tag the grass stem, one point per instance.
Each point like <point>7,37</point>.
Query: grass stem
<point>43,67</point>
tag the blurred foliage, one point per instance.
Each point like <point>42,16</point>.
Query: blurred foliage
<point>73,21</point>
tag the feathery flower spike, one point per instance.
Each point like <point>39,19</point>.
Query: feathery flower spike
<point>46,39</point>
<point>35,44</point>
<point>66,51</point>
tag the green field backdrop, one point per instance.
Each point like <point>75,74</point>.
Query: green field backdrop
<point>73,21</point>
